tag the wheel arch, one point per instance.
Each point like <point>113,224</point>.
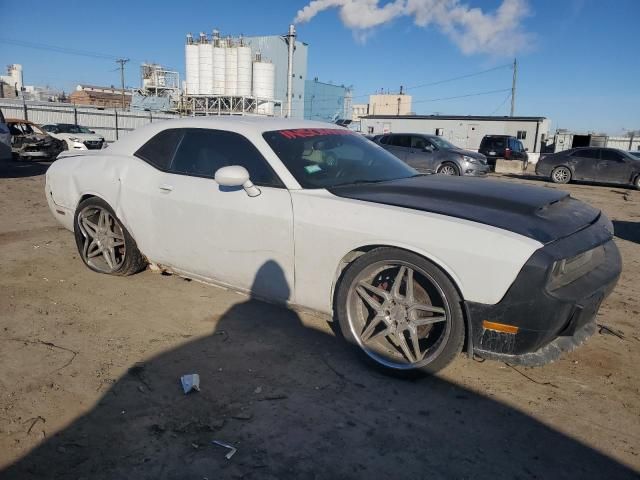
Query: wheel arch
<point>357,252</point>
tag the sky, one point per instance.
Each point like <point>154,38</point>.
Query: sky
<point>578,60</point>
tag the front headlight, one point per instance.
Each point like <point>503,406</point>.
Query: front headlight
<point>469,159</point>
<point>75,139</point>
<point>568,270</point>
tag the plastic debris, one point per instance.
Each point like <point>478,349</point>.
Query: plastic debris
<point>190,382</point>
<point>232,449</point>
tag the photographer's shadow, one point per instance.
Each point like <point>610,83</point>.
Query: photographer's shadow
<point>297,403</point>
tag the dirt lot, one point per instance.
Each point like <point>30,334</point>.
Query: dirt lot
<point>90,366</point>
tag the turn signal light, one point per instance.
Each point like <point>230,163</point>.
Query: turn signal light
<point>500,327</point>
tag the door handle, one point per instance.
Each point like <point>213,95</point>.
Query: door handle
<point>166,188</point>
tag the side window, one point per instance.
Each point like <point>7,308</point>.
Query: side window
<point>418,143</point>
<point>160,149</point>
<point>611,155</point>
<point>401,141</point>
<point>384,139</point>
<point>202,151</point>
<point>520,146</point>
<point>591,153</point>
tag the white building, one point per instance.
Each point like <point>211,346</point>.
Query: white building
<point>463,131</point>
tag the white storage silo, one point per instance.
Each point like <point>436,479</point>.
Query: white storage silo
<point>218,63</point>
<point>192,66</point>
<point>264,75</point>
<point>205,62</point>
<point>245,65</point>
<point>231,69</point>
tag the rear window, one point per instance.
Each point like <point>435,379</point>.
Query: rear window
<point>160,149</point>
<point>495,143</point>
<point>400,141</point>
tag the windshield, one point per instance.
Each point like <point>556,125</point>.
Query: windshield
<point>325,158</point>
<point>441,142</point>
<point>69,128</point>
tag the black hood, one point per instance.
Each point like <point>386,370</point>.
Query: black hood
<point>544,214</point>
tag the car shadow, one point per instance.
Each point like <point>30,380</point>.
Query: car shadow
<point>629,231</point>
<point>22,168</point>
<point>297,404</point>
<point>540,178</point>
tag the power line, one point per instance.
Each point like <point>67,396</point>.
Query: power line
<point>55,48</point>
<point>502,104</point>
<point>458,78</point>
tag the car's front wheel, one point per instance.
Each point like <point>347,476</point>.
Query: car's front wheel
<point>104,244</point>
<point>401,311</point>
<point>560,175</point>
<point>448,169</point>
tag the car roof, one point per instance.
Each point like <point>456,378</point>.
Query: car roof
<point>19,120</point>
<point>499,136</point>
<point>245,125</point>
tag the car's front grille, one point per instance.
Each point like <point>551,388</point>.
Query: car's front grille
<point>93,144</point>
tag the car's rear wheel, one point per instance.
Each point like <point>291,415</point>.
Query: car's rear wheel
<point>561,175</point>
<point>448,169</point>
<point>401,311</point>
<point>104,244</point>
<point>636,182</point>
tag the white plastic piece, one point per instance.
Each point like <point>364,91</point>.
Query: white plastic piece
<point>190,382</point>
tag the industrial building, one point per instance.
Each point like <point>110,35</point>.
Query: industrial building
<point>463,131</point>
<point>107,97</point>
<point>326,102</point>
<point>245,74</point>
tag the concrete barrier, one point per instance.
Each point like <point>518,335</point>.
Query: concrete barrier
<point>509,166</point>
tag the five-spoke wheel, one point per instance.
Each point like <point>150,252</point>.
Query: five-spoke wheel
<point>402,311</point>
<point>104,244</point>
<point>561,175</point>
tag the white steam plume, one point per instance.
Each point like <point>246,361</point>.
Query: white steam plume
<point>471,29</point>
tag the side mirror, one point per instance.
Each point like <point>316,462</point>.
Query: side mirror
<point>236,176</point>
<point>92,131</point>
<point>526,149</point>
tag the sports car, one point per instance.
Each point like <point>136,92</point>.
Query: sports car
<point>413,268</point>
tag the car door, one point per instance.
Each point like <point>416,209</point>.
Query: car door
<point>584,162</point>
<point>421,154</point>
<point>399,145</point>
<point>613,167</point>
<point>220,233</point>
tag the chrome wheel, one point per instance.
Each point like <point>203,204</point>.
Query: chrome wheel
<point>448,170</point>
<point>398,314</point>
<point>561,175</point>
<point>103,245</point>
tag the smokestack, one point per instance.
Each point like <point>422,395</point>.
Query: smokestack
<point>291,40</point>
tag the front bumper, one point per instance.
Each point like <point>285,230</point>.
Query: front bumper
<point>475,170</point>
<point>549,323</point>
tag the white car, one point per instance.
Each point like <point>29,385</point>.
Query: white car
<point>413,267</point>
<point>77,137</point>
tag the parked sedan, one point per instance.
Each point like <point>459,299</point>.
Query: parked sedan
<point>433,154</point>
<point>412,267</point>
<point>29,141</point>
<point>76,136</point>
<point>607,165</point>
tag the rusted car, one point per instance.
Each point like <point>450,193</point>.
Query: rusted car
<point>29,141</point>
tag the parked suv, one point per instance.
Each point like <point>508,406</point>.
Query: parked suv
<point>433,154</point>
<point>503,146</point>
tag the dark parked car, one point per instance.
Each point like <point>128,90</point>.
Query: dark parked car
<point>607,165</point>
<point>635,154</point>
<point>5,139</point>
<point>433,154</point>
<point>503,146</point>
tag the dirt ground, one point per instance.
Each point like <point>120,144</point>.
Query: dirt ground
<point>90,367</point>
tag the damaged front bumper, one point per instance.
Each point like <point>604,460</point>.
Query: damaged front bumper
<point>545,323</point>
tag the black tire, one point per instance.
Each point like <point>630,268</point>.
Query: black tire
<point>132,261</point>
<point>446,166</point>
<point>636,182</point>
<point>561,175</point>
<point>448,346</point>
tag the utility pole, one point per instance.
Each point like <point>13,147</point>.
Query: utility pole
<point>122,61</point>
<point>513,86</point>
<point>291,42</point>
